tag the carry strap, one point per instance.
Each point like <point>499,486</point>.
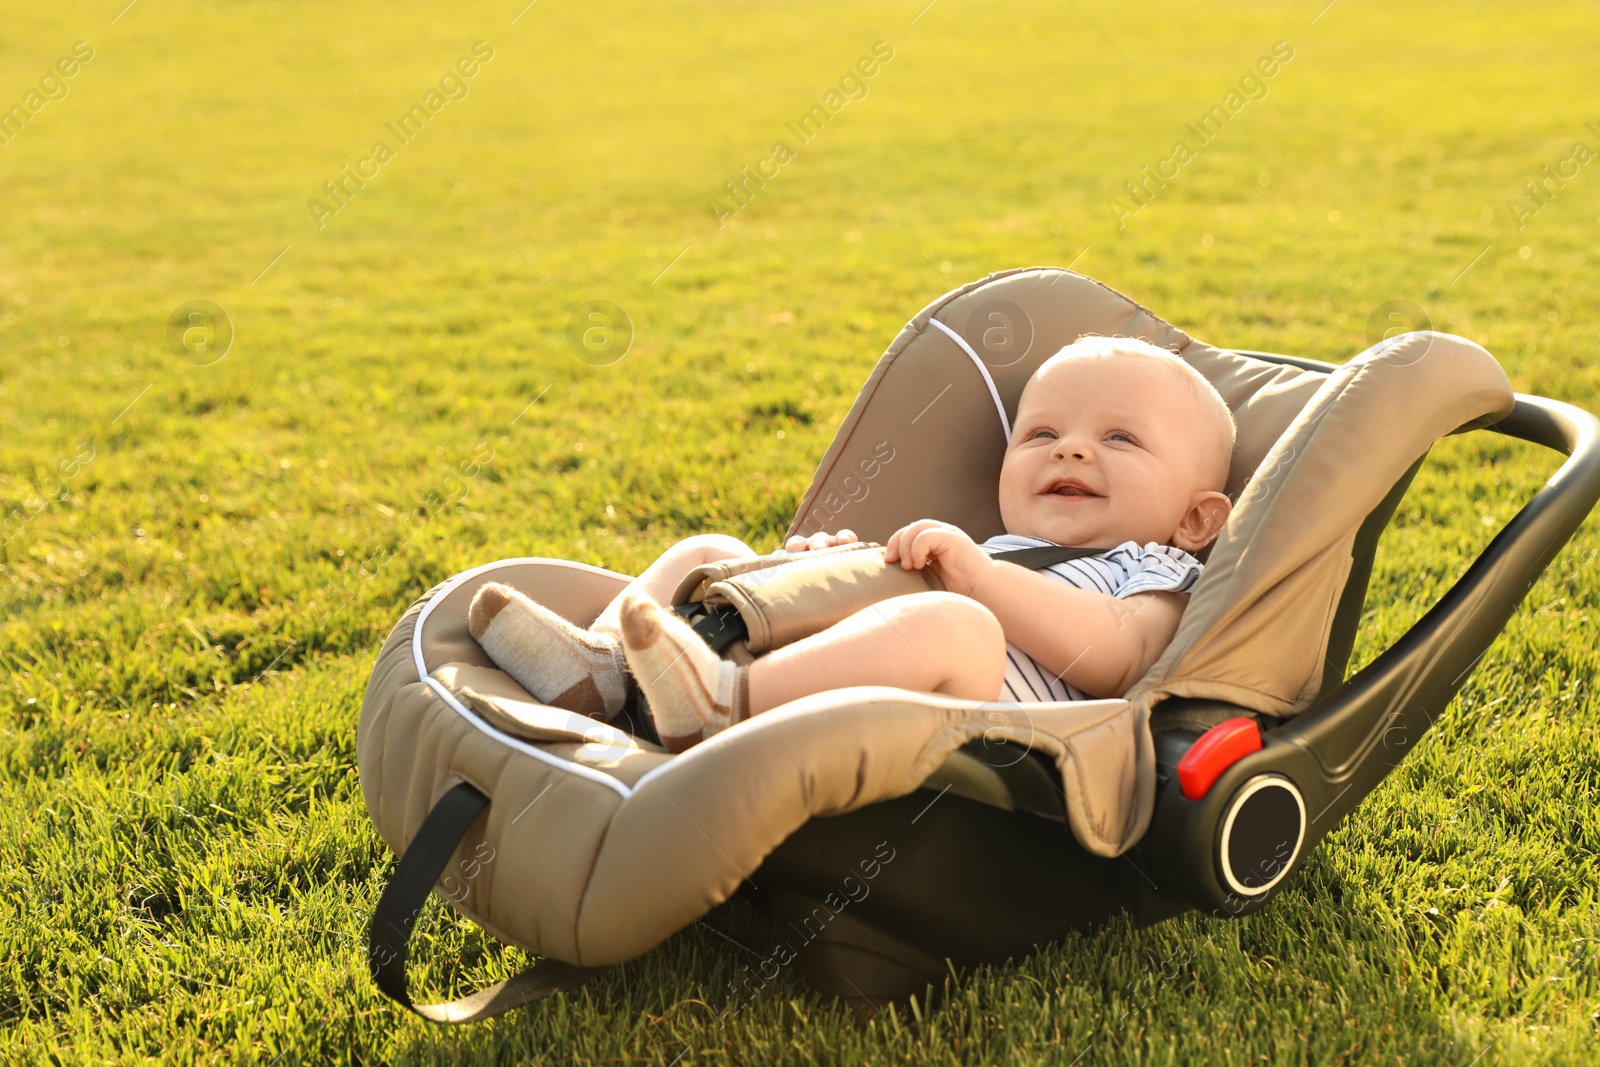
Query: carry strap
<point>721,627</point>
<point>414,876</point>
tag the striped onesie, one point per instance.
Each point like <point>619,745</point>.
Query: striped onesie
<point>1119,572</point>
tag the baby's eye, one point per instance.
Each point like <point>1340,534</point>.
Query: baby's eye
<point>1114,434</point>
<point>1040,432</point>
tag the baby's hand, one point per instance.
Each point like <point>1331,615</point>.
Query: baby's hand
<point>957,561</point>
<point>820,540</point>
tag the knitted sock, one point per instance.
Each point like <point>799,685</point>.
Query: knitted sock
<point>559,664</point>
<point>692,692</point>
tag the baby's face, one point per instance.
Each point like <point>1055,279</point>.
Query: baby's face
<point>1106,451</point>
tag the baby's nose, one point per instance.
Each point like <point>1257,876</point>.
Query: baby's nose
<point>1073,447</point>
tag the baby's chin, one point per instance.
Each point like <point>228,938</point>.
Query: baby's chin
<point>1070,539</point>
<point>1064,538</point>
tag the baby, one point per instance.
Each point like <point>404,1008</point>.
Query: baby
<point>1118,445</point>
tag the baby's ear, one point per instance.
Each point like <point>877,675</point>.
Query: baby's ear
<point>1203,521</point>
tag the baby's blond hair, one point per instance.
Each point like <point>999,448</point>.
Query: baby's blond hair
<point>1214,409</point>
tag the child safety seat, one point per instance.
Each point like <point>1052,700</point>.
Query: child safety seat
<point>1206,786</point>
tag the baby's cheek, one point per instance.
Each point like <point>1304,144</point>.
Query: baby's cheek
<point>1013,496</point>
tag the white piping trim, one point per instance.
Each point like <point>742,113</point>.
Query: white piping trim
<point>506,739</point>
<point>983,369</point>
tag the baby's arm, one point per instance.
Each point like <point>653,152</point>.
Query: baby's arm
<point>1099,644</point>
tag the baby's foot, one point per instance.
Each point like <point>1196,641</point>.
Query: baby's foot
<point>692,693</point>
<point>559,664</point>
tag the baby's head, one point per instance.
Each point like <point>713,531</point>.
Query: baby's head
<point>1118,440</point>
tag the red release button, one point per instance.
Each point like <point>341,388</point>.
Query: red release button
<point>1218,749</point>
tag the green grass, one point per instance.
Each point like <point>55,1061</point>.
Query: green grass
<point>186,623</point>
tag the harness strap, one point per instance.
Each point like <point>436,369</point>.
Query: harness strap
<point>389,936</point>
<point>718,628</point>
<point>721,627</point>
<point>1037,559</point>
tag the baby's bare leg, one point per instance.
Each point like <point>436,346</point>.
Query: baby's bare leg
<point>660,580</point>
<point>927,642</point>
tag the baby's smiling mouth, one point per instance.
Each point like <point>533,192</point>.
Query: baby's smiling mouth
<point>1068,487</point>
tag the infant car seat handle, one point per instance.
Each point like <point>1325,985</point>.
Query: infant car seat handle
<point>390,934</point>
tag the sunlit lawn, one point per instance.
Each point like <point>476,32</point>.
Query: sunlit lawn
<point>203,550</point>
